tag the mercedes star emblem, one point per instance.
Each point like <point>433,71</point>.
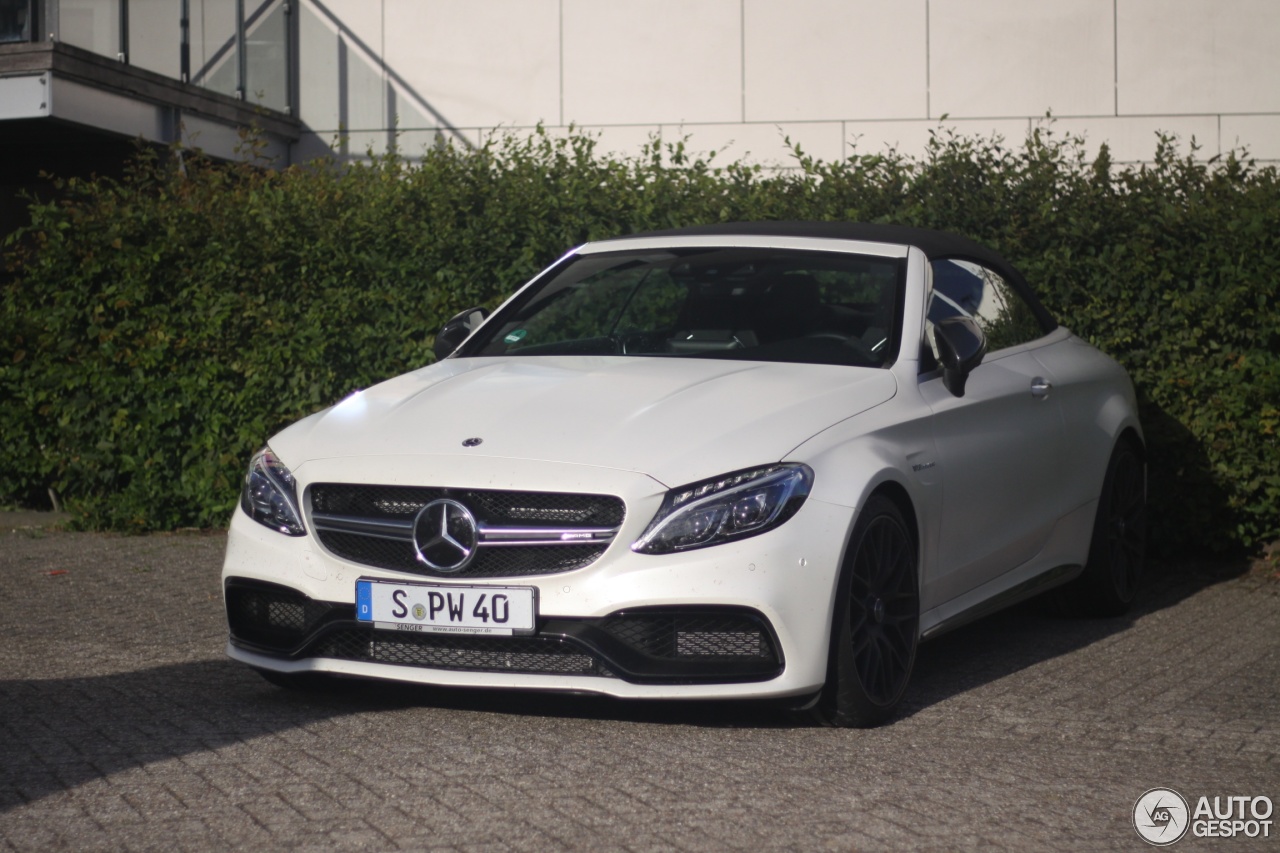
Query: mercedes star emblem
<point>445,535</point>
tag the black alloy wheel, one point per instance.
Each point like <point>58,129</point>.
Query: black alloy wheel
<point>877,620</point>
<point>1117,554</point>
<point>1126,525</point>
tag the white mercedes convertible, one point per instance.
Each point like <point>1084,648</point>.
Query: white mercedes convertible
<point>755,461</point>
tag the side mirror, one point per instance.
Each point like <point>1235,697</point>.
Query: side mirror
<point>456,330</point>
<point>961,346</point>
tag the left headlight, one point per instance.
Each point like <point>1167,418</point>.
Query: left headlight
<point>734,506</point>
<point>270,494</point>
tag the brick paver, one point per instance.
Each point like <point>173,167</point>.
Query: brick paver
<point>123,727</point>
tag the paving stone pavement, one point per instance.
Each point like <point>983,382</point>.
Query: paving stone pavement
<point>123,727</point>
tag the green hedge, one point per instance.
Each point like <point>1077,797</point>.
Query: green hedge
<point>154,331</point>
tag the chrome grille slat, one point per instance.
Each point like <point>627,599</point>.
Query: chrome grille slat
<point>387,529</point>
<point>492,536</point>
<point>489,536</point>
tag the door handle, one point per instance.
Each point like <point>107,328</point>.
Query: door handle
<point>1040,387</point>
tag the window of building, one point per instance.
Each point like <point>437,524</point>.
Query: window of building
<point>15,20</point>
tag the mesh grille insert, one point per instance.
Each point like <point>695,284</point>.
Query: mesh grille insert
<point>539,655</point>
<point>274,616</point>
<point>693,635</point>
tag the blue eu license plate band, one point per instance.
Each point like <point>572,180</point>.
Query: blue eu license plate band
<point>446,609</point>
<point>364,601</point>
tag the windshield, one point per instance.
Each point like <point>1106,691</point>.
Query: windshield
<point>742,303</point>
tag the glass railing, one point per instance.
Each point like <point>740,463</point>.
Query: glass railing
<point>240,48</point>
<point>155,36</point>
<point>91,24</point>
<point>266,49</point>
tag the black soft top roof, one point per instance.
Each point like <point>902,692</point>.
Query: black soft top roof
<point>935,245</point>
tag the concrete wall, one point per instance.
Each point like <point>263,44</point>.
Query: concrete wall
<point>832,75</point>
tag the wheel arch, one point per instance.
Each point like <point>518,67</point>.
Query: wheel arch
<point>886,485</point>
<point>886,490</point>
<point>901,498</point>
<point>1131,434</point>
<point>884,480</point>
<point>890,483</point>
<point>897,493</point>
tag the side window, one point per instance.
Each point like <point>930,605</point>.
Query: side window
<point>962,288</point>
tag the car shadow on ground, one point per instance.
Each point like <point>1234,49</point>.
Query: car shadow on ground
<point>62,733</point>
<point>1036,631</point>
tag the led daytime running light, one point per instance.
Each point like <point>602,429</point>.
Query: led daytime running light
<point>719,485</point>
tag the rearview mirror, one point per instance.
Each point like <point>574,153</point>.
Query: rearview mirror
<point>456,330</point>
<point>961,345</point>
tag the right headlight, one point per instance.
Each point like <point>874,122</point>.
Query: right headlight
<point>270,494</point>
<point>733,506</point>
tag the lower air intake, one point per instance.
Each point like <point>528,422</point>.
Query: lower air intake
<point>536,655</point>
<point>694,635</point>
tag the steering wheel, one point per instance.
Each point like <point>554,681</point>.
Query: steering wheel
<point>853,342</point>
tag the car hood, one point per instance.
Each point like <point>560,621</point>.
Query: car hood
<point>675,419</point>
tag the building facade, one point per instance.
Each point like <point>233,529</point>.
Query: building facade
<point>79,79</point>
<point>833,75</point>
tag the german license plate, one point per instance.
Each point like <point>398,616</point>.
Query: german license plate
<point>450,609</point>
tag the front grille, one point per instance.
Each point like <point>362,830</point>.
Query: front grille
<point>508,561</point>
<point>520,533</point>
<point>497,507</point>
<point>539,655</point>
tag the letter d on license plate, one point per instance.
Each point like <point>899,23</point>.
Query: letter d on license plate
<point>446,609</point>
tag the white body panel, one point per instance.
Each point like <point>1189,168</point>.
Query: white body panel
<point>727,414</point>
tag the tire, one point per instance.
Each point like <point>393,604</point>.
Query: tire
<point>1117,552</point>
<point>876,623</point>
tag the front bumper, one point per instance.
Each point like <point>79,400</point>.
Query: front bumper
<point>747,619</point>
<point>684,645</point>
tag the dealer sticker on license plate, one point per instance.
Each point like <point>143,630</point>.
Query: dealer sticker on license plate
<point>446,609</point>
